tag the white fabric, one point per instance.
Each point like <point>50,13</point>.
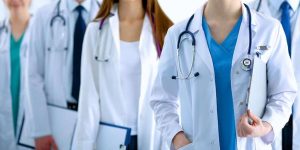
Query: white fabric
<point>130,73</point>
<point>197,97</point>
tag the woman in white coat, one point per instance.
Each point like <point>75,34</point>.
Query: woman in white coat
<point>119,63</point>
<point>14,38</point>
<point>213,110</point>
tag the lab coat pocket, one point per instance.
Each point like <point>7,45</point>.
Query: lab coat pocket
<point>3,51</point>
<point>55,83</point>
<point>259,144</point>
<point>187,147</point>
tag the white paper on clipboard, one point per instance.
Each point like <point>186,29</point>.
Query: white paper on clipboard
<point>257,99</point>
<point>112,137</point>
<point>62,123</point>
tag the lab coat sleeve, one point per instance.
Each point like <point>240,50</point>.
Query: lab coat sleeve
<point>37,103</point>
<point>164,99</point>
<point>89,103</point>
<point>282,87</point>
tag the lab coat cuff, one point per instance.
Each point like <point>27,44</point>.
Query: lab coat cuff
<point>84,145</point>
<point>172,134</point>
<point>270,137</point>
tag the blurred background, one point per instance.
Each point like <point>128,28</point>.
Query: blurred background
<point>178,10</point>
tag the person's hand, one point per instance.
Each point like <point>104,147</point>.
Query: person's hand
<point>257,128</point>
<point>45,143</point>
<point>180,140</point>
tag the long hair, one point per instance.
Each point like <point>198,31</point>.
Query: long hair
<point>159,21</point>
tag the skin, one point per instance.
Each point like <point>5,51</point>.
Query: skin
<point>19,16</point>
<point>131,15</point>
<point>221,16</point>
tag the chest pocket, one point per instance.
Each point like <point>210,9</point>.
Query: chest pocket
<point>55,63</point>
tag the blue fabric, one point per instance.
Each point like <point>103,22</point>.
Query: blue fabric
<point>221,55</point>
<point>286,22</point>
<point>15,76</point>
<point>80,27</point>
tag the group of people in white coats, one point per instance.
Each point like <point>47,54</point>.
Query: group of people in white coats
<point>134,29</point>
<point>120,61</point>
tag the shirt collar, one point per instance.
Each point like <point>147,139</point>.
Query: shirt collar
<point>277,3</point>
<point>86,4</point>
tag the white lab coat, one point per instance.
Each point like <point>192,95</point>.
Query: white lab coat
<point>8,141</point>
<point>197,96</point>
<point>264,8</point>
<point>47,75</point>
<point>101,94</point>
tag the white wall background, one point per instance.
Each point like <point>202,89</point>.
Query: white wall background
<point>177,10</point>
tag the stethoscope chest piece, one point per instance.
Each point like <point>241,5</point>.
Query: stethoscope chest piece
<point>246,64</point>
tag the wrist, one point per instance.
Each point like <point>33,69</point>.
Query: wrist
<point>267,127</point>
<point>180,140</point>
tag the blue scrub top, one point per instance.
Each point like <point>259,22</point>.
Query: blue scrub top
<point>221,55</point>
<point>15,79</point>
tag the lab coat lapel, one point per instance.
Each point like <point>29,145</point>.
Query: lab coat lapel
<point>6,48</point>
<point>94,9</point>
<point>114,24</point>
<point>201,44</point>
<point>23,95</point>
<point>25,42</point>
<point>148,58</point>
<point>264,7</point>
<point>242,43</point>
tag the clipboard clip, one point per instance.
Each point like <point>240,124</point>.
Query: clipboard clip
<point>122,147</point>
<point>72,105</point>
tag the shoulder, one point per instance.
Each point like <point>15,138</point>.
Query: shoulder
<point>265,23</point>
<point>93,27</point>
<point>177,28</point>
<point>45,11</point>
<point>254,4</point>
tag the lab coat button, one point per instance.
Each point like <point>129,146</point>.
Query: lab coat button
<point>242,103</point>
<point>211,111</point>
<point>211,79</point>
<point>212,142</point>
<point>237,72</point>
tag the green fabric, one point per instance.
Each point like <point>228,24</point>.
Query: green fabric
<point>15,76</point>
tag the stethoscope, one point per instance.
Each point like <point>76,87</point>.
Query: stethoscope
<point>105,57</point>
<point>246,63</point>
<point>58,17</point>
<point>4,30</point>
<point>3,27</point>
<point>258,6</point>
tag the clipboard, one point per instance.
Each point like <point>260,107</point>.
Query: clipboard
<point>62,123</point>
<point>112,137</point>
<point>257,95</point>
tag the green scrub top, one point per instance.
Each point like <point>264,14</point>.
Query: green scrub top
<point>15,76</point>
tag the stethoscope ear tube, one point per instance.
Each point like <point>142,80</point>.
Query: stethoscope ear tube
<point>58,15</point>
<point>189,33</point>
